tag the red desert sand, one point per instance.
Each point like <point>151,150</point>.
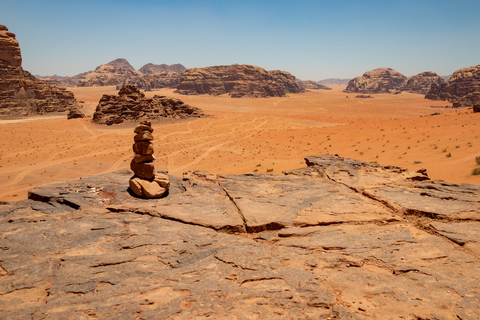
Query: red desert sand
<point>247,135</point>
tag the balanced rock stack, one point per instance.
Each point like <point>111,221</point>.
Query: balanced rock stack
<point>146,183</point>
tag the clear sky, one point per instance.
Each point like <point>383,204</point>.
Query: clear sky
<point>312,39</point>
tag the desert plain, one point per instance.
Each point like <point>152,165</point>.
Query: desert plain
<point>246,135</point>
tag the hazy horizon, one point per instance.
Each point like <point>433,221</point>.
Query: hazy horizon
<point>313,40</point>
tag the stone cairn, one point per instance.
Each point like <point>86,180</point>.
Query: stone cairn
<point>145,183</point>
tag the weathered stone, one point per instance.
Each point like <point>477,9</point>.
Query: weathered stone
<point>143,158</point>
<point>131,105</point>
<point>148,189</point>
<point>89,248</point>
<point>144,170</point>
<point>143,136</point>
<point>422,82</point>
<point>74,113</point>
<point>144,127</point>
<point>380,80</point>
<point>20,92</point>
<point>238,81</point>
<point>143,147</point>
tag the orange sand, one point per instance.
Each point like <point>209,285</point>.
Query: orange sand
<point>246,135</point>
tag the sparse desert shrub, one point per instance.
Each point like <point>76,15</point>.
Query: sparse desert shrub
<point>417,162</point>
<point>269,170</point>
<point>477,160</point>
<point>448,155</point>
<point>476,172</point>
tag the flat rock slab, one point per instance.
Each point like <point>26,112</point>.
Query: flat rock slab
<point>319,242</point>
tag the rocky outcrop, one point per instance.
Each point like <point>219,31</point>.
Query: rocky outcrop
<point>463,88</point>
<point>20,92</point>
<point>237,81</point>
<point>131,105</point>
<point>422,82</point>
<point>166,79</point>
<point>338,239</point>
<point>380,80</point>
<point>336,81</point>
<point>311,85</point>
<point>151,68</point>
<point>114,73</point>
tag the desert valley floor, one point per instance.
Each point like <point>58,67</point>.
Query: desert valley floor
<point>246,135</point>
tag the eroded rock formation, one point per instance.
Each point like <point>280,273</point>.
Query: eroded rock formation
<point>422,82</point>
<point>146,182</point>
<point>339,239</point>
<point>131,105</point>
<point>238,81</point>
<point>166,79</point>
<point>380,80</point>
<point>311,85</point>
<point>463,88</point>
<point>151,68</point>
<point>20,92</point>
<point>114,73</point>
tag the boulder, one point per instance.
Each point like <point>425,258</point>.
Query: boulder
<point>131,105</point>
<point>380,80</point>
<point>422,82</point>
<point>237,81</point>
<point>20,92</point>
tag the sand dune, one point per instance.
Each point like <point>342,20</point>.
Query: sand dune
<point>247,135</point>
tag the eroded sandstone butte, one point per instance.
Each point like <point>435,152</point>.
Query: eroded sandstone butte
<point>20,92</point>
<point>463,88</point>
<point>380,80</point>
<point>338,239</point>
<point>131,105</point>
<point>422,82</point>
<point>237,81</point>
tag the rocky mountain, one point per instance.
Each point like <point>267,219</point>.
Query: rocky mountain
<point>120,72</point>
<point>337,239</point>
<point>151,68</point>
<point>238,81</point>
<point>131,105</point>
<point>311,85</point>
<point>463,88</point>
<point>20,92</point>
<point>336,81</point>
<point>380,80</point>
<point>422,82</point>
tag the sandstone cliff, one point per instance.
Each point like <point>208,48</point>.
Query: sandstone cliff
<point>131,105</point>
<point>238,81</point>
<point>380,80</point>
<point>114,73</point>
<point>151,68</point>
<point>20,92</point>
<point>165,79</point>
<point>463,88</point>
<point>338,239</point>
<point>422,82</point>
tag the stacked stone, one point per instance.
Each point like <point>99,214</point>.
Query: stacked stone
<point>146,183</point>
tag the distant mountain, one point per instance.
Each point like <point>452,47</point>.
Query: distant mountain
<point>120,72</point>
<point>334,81</point>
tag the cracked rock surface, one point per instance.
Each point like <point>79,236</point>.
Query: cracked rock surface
<point>338,239</point>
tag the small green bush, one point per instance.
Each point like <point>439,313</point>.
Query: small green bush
<point>476,172</point>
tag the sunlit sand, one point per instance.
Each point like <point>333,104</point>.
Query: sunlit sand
<point>247,135</point>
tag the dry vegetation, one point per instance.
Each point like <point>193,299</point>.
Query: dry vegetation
<point>246,135</point>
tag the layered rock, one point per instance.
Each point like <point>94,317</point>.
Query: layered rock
<point>380,80</point>
<point>422,82</point>
<point>114,73</point>
<point>463,88</point>
<point>131,105</point>
<point>151,68</point>
<point>166,79</point>
<point>311,85</point>
<point>20,92</point>
<point>338,239</point>
<point>146,183</point>
<point>237,81</point>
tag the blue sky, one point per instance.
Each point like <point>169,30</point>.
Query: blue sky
<point>313,40</point>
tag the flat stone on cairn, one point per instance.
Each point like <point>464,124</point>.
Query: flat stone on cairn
<point>145,183</point>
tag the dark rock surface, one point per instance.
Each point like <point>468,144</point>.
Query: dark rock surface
<point>339,239</point>
<point>20,92</point>
<point>238,81</point>
<point>380,80</point>
<point>463,88</point>
<point>131,105</point>
<point>422,82</point>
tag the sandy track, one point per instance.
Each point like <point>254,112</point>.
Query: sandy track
<point>245,135</point>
